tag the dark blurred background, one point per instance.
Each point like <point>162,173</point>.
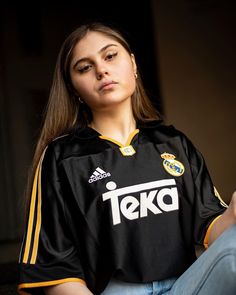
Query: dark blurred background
<point>186,53</point>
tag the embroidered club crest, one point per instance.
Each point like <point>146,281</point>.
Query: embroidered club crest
<point>171,165</point>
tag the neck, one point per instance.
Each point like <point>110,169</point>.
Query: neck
<point>117,123</point>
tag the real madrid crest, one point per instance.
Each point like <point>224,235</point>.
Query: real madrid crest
<point>171,165</point>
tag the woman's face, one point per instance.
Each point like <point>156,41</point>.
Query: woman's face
<point>102,71</point>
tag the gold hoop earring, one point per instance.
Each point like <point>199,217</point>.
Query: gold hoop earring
<point>136,75</point>
<point>80,99</point>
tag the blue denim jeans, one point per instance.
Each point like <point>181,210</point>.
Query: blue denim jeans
<point>213,273</point>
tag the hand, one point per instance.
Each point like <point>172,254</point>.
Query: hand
<point>68,288</point>
<point>225,221</point>
<point>232,208</point>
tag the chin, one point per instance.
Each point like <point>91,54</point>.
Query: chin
<point>110,100</point>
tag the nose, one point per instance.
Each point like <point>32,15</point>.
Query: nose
<point>101,71</point>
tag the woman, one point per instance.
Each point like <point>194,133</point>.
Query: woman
<point>119,199</point>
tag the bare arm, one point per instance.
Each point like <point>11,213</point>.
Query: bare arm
<point>225,221</point>
<point>69,288</point>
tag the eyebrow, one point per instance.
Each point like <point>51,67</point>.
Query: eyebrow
<point>100,51</point>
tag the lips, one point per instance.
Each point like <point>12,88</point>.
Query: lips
<point>106,84</point>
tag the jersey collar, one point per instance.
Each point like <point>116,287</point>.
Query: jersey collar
<point>89,133</point>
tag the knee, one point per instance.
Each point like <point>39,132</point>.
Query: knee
<point>227,240</point>
<point>227,264</point>
<point>225,246</point>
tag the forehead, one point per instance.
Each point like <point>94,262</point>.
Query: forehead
<point>92,42</point>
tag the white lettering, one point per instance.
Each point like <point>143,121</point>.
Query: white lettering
<point>146,202</point>
<point>129,203</point>
<point>173,193</point>
<point>128,212</point>
<point>99,176</point>
<point>115,210</point>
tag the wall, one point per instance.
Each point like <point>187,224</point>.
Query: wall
<point>197,64</point>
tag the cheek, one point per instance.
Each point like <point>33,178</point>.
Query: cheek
<point>84,89</point>
<point>82,86</point>
<point>127,70</point>
<point>128,76</point>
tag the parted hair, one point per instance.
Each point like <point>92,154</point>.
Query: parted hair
<point>63,112</point>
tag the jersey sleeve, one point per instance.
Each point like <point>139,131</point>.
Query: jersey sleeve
<point>48,255</point>
<point>208,205</point>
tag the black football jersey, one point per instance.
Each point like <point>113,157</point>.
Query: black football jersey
<point>102,209</point>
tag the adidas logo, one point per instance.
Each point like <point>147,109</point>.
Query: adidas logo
<point>98,174</point>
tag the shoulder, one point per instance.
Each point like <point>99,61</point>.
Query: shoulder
<point>81,141</point>
<point>161,132</point>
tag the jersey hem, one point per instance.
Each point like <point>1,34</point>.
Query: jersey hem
<point>46,284</point>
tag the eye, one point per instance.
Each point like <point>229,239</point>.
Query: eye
<point>111,56</point>
<point>84,69</point>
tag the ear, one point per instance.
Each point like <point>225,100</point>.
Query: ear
<point>133,62</point>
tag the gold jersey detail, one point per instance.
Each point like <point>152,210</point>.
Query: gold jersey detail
<point>127,150</point>
<point>220,199</point>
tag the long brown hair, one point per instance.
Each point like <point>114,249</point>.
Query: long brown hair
<point>63,112</point>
